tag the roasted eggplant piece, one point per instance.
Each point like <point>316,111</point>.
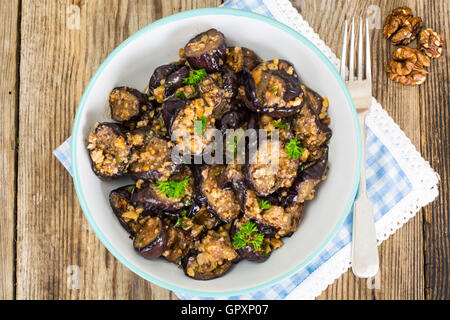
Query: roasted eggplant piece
<point>109,151</point>
<point>273,88</point>
<point>206,51</point>
<point>190,125</point>
<point>178,245</point>
<point>130,216</point>
<point>240,58</point>
<point>270,168</point>
<point>205,218</point>
<point>317,103</point>
<point>213,256</point>
<point>167,79</point>
<point>126,103</point>
<point>282,218</point>
<point>221,202</point>
<point>216,97</point>
<point>308,127</point>
<point>230,82</point>
<point>282,125</point>
<point>307,180</point>
<point>233,119</point>
<point>171,195</point>
<point>152,161</point>
<point>151,240</point>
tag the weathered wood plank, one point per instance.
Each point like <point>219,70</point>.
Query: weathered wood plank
<point>401,256</point>
<point>57,60</point>
<point>8,93</point>
<point>435,145</point>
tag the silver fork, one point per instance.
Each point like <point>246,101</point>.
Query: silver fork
<point>364,252</point>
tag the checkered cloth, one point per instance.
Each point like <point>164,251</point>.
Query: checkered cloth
<point>390,181</point>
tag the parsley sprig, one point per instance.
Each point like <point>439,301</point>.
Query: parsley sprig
<point>180,95</point>
<point>195,77</point>
<point>264,204</point>
<point>293,149</point>
<point>248,235</point>
<point>281,125</point>
<point>199,126</point>
<point>172,189</point>
<point>181,221</point>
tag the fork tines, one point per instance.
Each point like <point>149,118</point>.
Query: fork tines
<point>351,72</point>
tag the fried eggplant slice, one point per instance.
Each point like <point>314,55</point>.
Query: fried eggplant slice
<point>273,88</point>
<point>206,51</point>
<point>270,168</point>
<point>152,161</point>
<point>240,58</point>
<point>171,195</point>
<point>151,240</point>
<point>213,256</point>
<point>109,151</point>
<point>129,215</point>
<point>126,103</point>
<point>191,126</point>
<point>221,202</point>
<point>308,127</point>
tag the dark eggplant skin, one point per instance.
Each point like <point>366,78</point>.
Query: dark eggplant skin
<point>240,58</point>
<point>175,80</point>
<point>217,273</point>
<point>117,129</point>
<point>230,82</point>
<point>292,86</point>
<point>151,198</point>
<point>141,100</point>
<point>162,72</point>
<point>156,247</point>
<point>306,181</point>
<point>118,199</point>
<point>319,134</point>
<point>232,119</point>
<point>211,58</point>
<point>170,111</point>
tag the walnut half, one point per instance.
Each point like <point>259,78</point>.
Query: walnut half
<point>408,66</point>
<point>431,43</point>
<point>401,27</point>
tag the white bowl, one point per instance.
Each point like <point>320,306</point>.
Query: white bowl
<point>133,62</point>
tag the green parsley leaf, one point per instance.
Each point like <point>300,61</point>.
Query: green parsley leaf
<point>180,95</point>
<point>172,189</point>
<point>248,235</point>
<point>195,77</point>
<point>181,220</point>
<point>199,126</point>
<point>264,205</point>
<point>280,124</point>
<point>293,149</point>
<point>130,188</point>
<point>274,89</point>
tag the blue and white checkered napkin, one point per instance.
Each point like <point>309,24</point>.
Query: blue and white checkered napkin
<point>399,180</point>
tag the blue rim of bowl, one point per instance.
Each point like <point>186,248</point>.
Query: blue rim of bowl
<point>152,26</point>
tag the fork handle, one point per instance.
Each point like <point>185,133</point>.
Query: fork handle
<point>365,261</point>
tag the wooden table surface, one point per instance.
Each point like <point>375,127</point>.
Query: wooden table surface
<point>48,57</point>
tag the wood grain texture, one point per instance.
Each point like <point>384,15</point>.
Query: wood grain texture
<point>55,244</point>
<point>403,272</point>
<point>8,107</point>
<point>56,65</point>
